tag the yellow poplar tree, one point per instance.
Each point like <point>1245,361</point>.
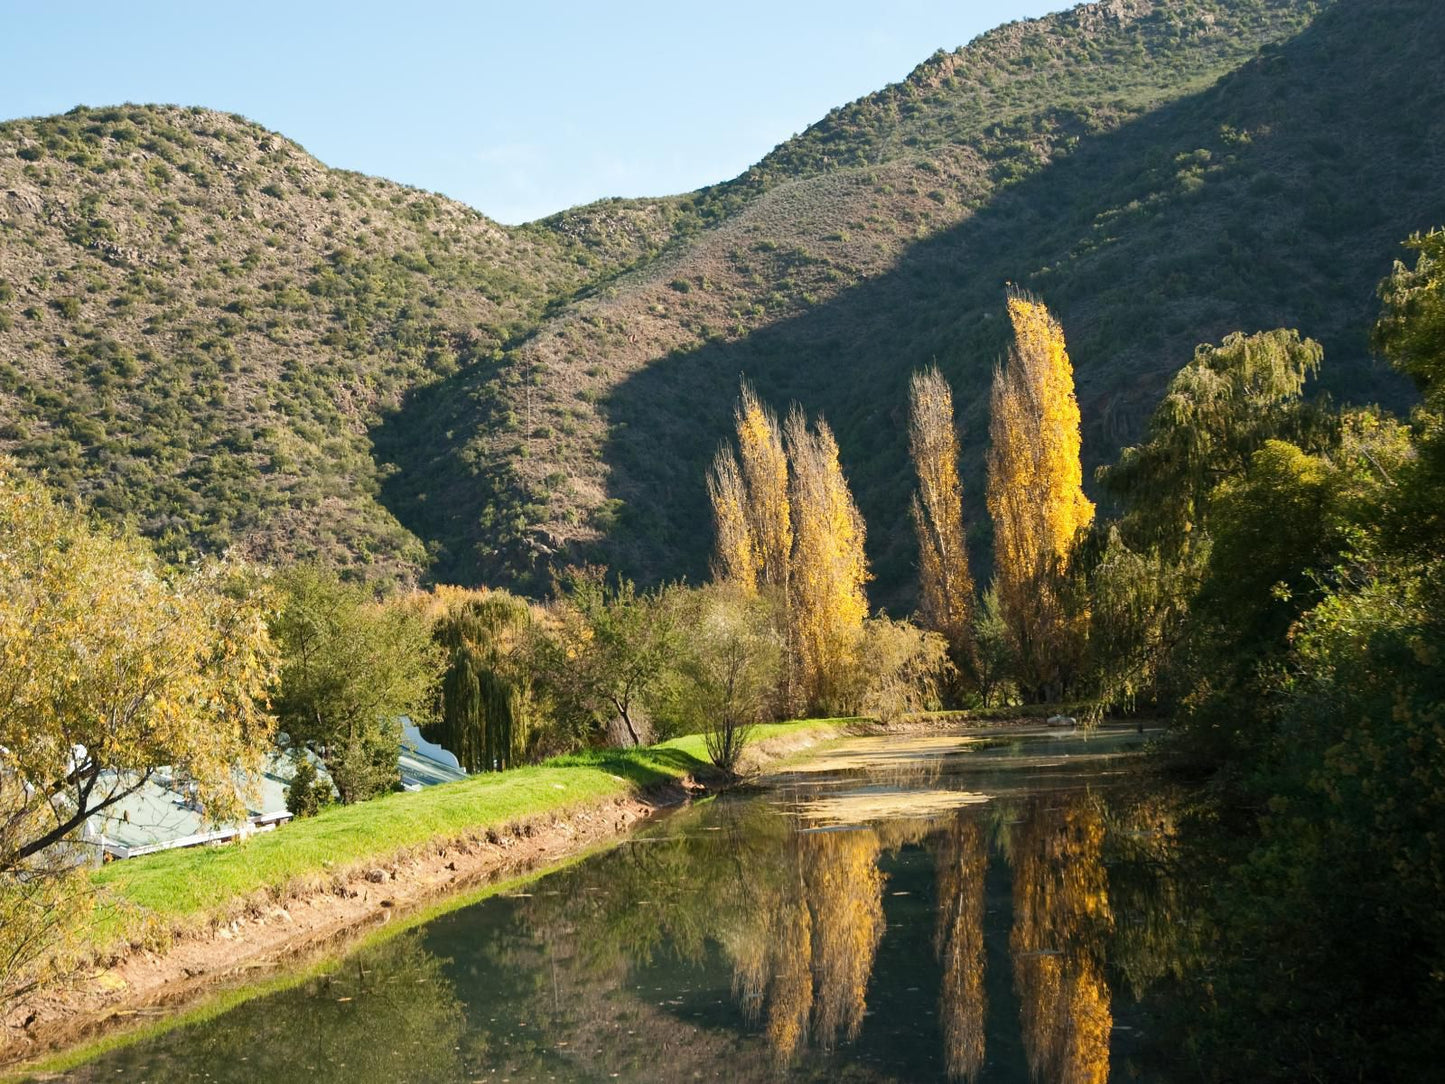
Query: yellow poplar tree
<point>962,862</point>
<point>736,558</point>
<point>945,586</point>
<point>765,474</point>
<point>829,566</point>
<point>1035,489</point>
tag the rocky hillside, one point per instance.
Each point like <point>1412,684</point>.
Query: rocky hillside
<point>206,330</point>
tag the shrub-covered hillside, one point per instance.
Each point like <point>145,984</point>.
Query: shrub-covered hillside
<point>199,323</point>
<point>206,330</point>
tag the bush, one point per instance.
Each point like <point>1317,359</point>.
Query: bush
<point>308,793</point>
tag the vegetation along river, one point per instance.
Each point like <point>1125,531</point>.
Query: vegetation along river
<point>980,906</point>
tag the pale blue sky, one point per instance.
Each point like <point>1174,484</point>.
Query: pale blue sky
<point>519,109</point>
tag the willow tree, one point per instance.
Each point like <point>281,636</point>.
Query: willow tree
<point>829,567</point>
<point>486,711</point>
<point>1035,490</point>
<point>945,585</point>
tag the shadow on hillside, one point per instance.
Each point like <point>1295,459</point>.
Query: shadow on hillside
<point>1277,197</point>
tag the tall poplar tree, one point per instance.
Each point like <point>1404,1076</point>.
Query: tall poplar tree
<point>765,474</point>
<point>829,567</point>
<point>945,585</point>
<point>1035,490</point>
<point>735,557</point>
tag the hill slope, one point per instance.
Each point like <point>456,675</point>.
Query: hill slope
<point>207,330</point>
<point>199,322</point>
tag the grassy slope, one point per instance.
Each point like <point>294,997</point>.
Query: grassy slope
<point>187,886</point>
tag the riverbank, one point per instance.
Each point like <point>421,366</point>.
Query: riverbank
<point>174,926</point>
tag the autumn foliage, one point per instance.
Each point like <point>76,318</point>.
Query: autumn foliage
<point>945,584</point>
<point>1035,489</point>
<point>786,523</point>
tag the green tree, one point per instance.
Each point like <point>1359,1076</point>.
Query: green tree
<point>307,793</point>
<point>728,665</point>
<point>613,646</point>
<point>1217,411</point>
<point>488,711</point>
<point>351,667</point>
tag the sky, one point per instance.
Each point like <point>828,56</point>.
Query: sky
<point>519,109</point>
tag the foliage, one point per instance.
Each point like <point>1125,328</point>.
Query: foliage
<point>1332,596</point>
<point>612,646</point>
<point>307,794</point>
<point>993,660</point>
<point>728,665</point>
<point>945,584</point>
<point>43,904</point>
<point>1217,411</point>
<point>112,668</point>
<point>1035,492</point>
<point>488,714</point>
<point>735,558</point>
<point>829,567</point>
<point>901,669</point>
<point>351,667</point>
<point>765,473</point>
<point>1138,606</point>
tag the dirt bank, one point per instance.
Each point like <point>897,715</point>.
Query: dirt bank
<point>272,935</point>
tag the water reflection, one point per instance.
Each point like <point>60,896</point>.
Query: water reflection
<point>1061,924</point>
<point>746,939</point>
<point>962,859</point>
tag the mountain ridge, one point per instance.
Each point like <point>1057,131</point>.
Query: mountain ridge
<point>207,332</point>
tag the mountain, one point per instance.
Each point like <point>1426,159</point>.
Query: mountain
<point>205,330</point>
<point>200,323</point>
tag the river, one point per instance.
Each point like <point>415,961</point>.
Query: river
<point>986,906</point>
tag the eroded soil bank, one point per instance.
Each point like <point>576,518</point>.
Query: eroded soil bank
<point>269,936</point>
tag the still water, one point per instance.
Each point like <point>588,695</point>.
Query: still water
<point>981,906</point>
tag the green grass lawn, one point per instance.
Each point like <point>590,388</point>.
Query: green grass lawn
<point>161,891</point>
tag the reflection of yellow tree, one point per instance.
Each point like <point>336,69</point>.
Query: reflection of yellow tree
<point>1061,916</point>
<point>958,939</point>
<point>845,889</point>
<point>808,952</point>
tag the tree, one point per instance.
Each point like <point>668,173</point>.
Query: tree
<point>352,667</point>
<point>307,793</point>
<point>829,568</point>
<point>993,650</point>
<point>735,558</point>
<point>613,646</point>
<point>112,667</point>
<point>1035,491</point>
<point>901,668</point>
<point>729,665</point>
<point>765,473</point>
<point>945,585</point>
<point>487,710</point>
<point>1217,411</point>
